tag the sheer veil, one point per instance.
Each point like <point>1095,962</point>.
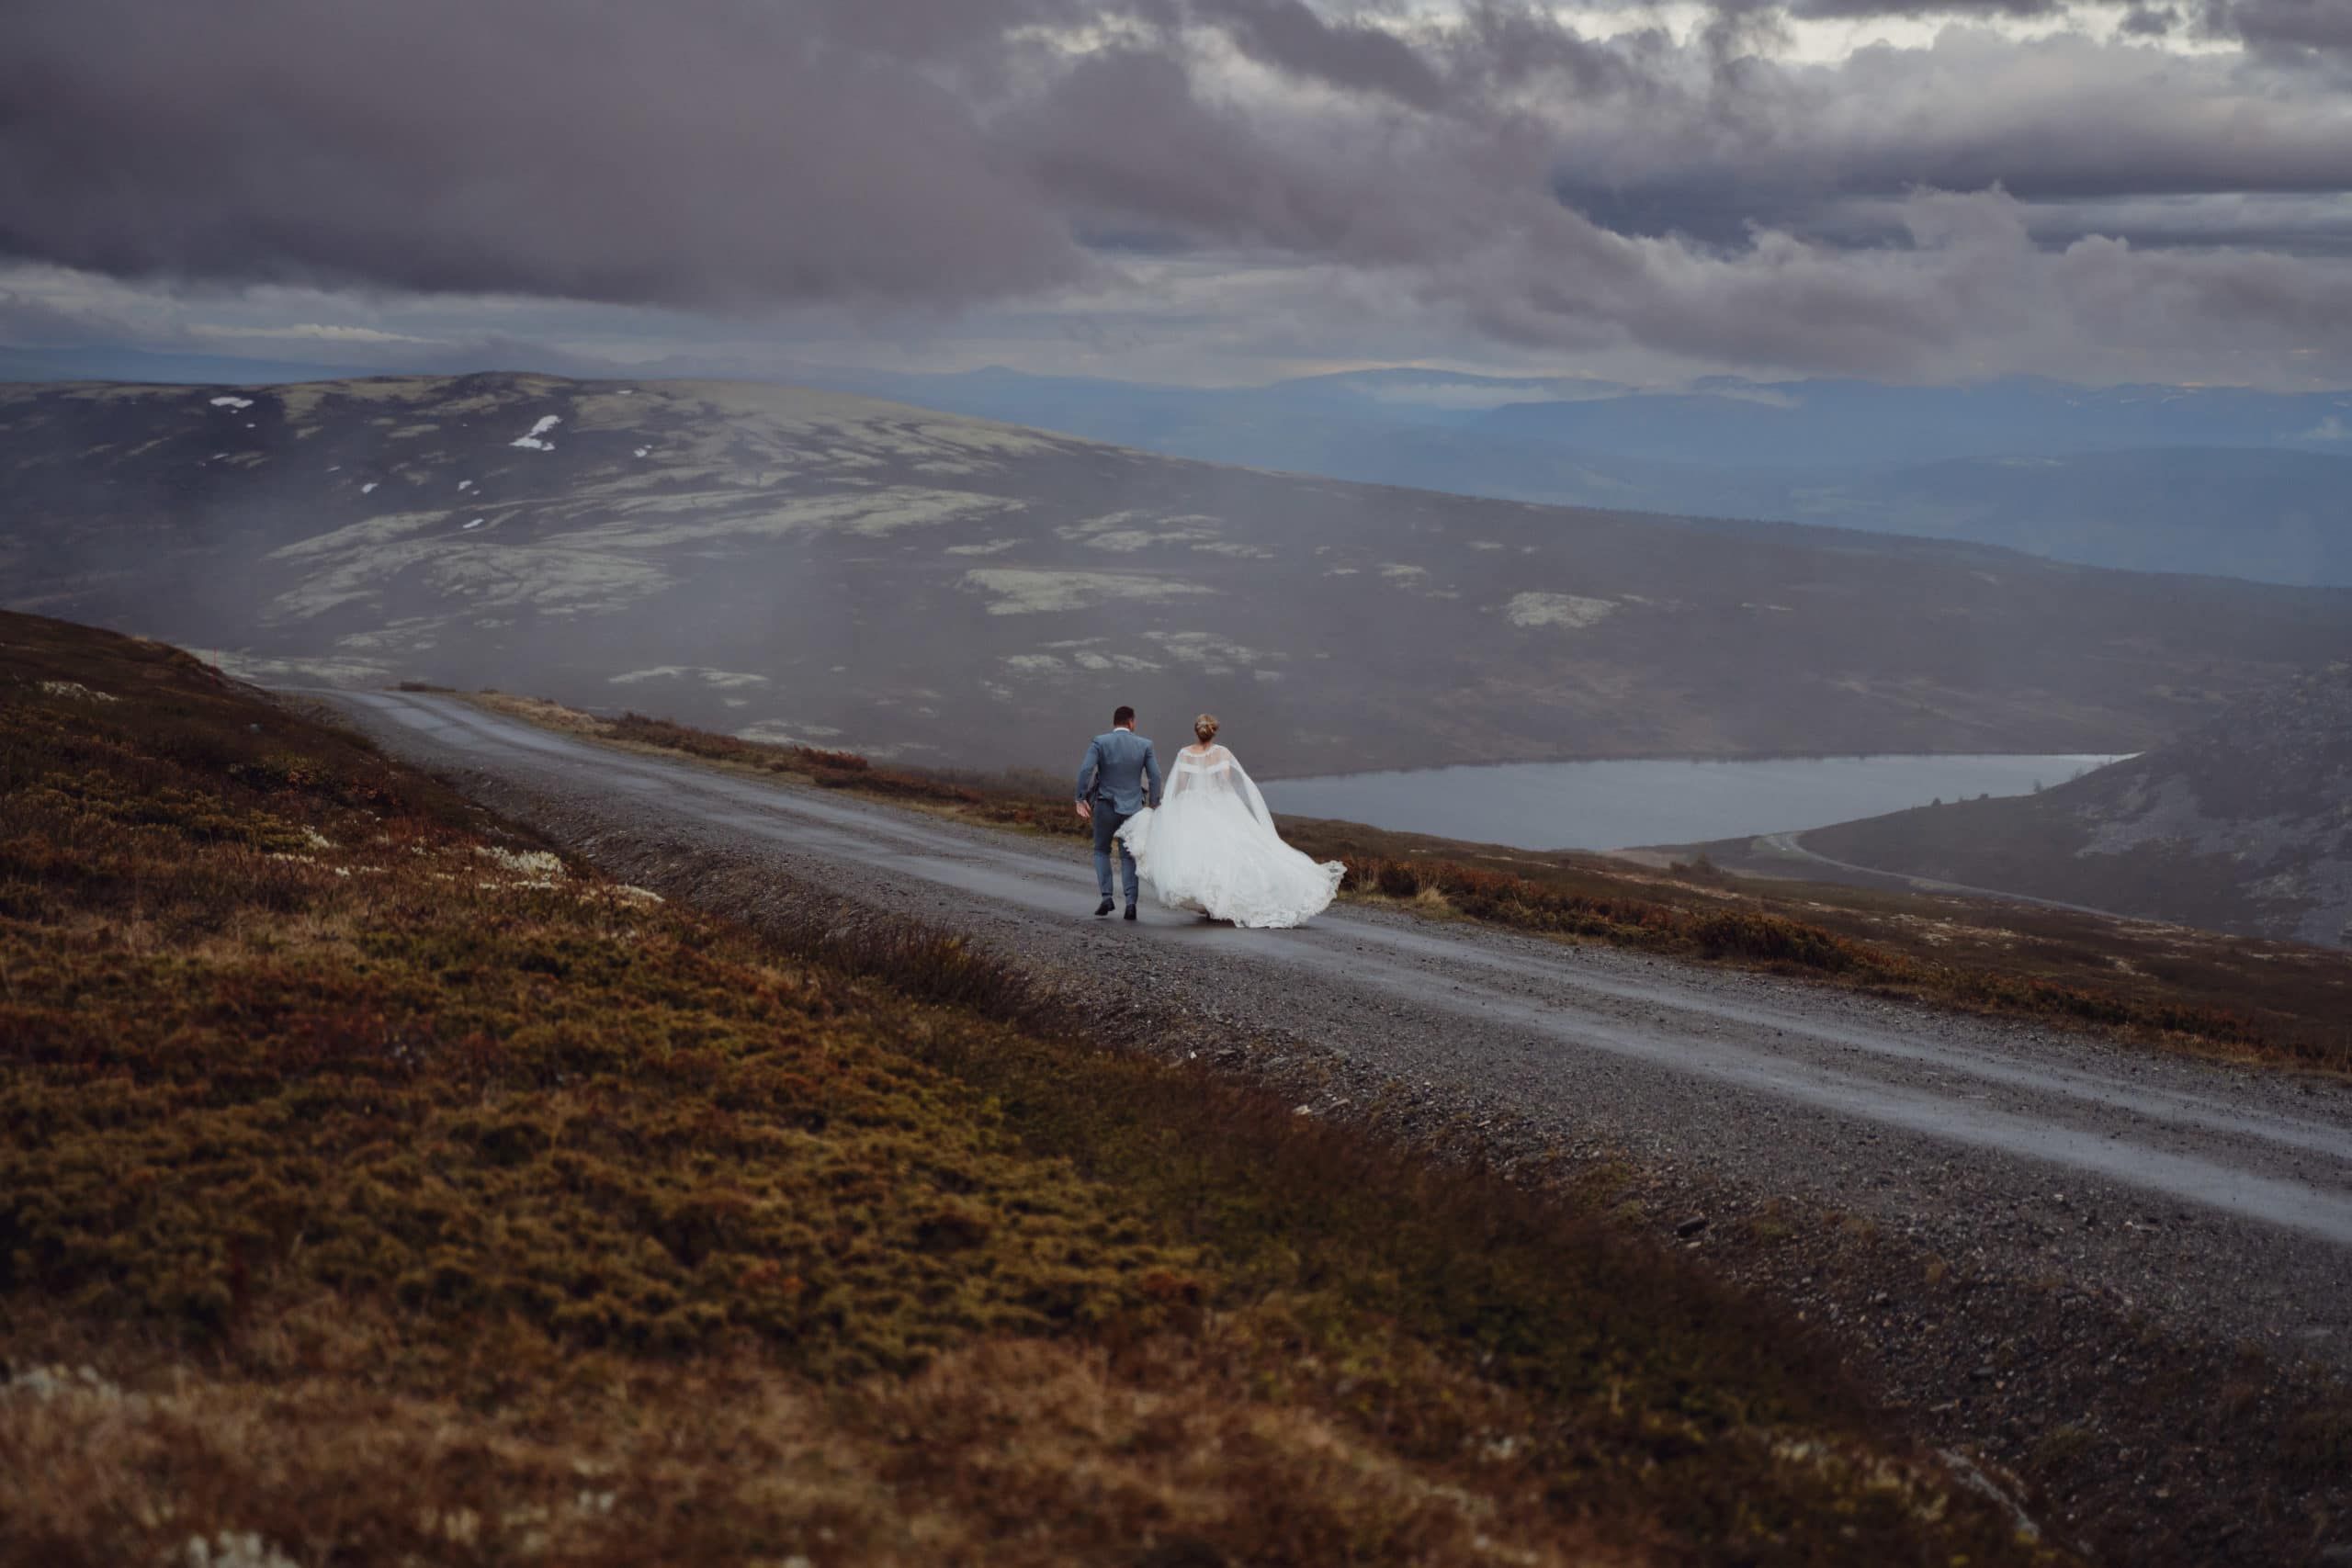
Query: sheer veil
<point>1250,795</point>
<point>1219,770</point>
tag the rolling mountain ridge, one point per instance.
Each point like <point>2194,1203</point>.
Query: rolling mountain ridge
<point>2149,479</point>
<point>2243,826</point>
<point>781,562</point>
<point>2207,479</point>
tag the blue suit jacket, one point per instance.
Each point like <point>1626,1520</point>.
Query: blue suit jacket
<point>1120,771</point>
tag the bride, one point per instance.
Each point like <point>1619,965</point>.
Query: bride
<point>1211,845</point>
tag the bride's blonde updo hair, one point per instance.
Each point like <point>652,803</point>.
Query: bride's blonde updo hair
<point>1205,728</point>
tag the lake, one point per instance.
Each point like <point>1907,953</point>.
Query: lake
<point>1616,805</point>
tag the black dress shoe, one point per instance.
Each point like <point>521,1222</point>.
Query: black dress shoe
<point>1103,908</point>
<point>1131,911</point>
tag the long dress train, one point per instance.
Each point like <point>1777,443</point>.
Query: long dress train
<point>1211,846</point>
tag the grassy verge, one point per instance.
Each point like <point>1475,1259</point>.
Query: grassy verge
<point>2271,1002</point>
<point>410,1193</point>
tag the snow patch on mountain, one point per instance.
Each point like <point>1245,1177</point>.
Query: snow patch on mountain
<point>534,441</point>
<point>1570,610</point>
<point>721,677</point>
<point>1014,592</point>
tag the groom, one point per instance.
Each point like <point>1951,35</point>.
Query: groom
<point>1119,778</point>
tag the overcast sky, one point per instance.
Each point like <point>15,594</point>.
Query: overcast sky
<point>1191,190</point>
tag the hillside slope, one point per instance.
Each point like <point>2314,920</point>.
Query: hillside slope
<point>2191,1198</point>
<point>2244,826</point>
<point>383,1187</point>
<point>817,566</point>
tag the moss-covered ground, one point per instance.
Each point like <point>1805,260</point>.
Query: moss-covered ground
<point>378,1185</point>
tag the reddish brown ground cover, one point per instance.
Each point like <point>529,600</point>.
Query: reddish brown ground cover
<point>412,1193</point>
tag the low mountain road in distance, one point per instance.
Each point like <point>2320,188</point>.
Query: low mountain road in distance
<point>1792,846</point>
<point>2215,1199</point>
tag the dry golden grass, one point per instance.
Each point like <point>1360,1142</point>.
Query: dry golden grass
<point>1013,1452</point>
<point>419,1195</point>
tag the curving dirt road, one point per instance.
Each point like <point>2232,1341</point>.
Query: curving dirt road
<point>1793,847</point>
<point>2070,1189</point>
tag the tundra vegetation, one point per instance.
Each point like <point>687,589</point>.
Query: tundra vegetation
<point>381,1186</point>
<point>2159,986</point>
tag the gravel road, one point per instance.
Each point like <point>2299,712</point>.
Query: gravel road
<point>1821,868</point>
<point>2062,1192</point>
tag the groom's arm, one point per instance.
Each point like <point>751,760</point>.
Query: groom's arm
<point>1150,776</point>
<point>1088,770</point>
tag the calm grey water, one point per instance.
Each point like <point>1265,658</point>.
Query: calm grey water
<point>1607,805</point>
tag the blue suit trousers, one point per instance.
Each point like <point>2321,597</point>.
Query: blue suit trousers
<point>1108,819</point>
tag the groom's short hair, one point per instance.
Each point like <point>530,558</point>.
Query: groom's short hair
<point>1125,715</point>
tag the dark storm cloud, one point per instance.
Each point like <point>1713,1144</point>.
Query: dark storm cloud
<point>1537,183</point>
<point>1123,139</point>
<point>2060,120</point>
<point>709,152</point>
<point>705,151</point>
<point>1925,7</point>
<point>1294,37</point>
<point>2321,26</point>
<point>1503,45</point>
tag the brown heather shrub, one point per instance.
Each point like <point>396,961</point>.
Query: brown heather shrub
<point>1176,1452</point>
<point>1776,941</point>
<point>404,1063</point>
<point>420,1197</point>
<point>472,1122</point>
<point>1026,801</point>
<point>661,732</point>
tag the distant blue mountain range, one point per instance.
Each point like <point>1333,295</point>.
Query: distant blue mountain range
<point>1721,423</point>
<point>2218,481</point>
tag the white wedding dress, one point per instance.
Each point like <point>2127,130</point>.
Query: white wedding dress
<point>1211,847</point>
